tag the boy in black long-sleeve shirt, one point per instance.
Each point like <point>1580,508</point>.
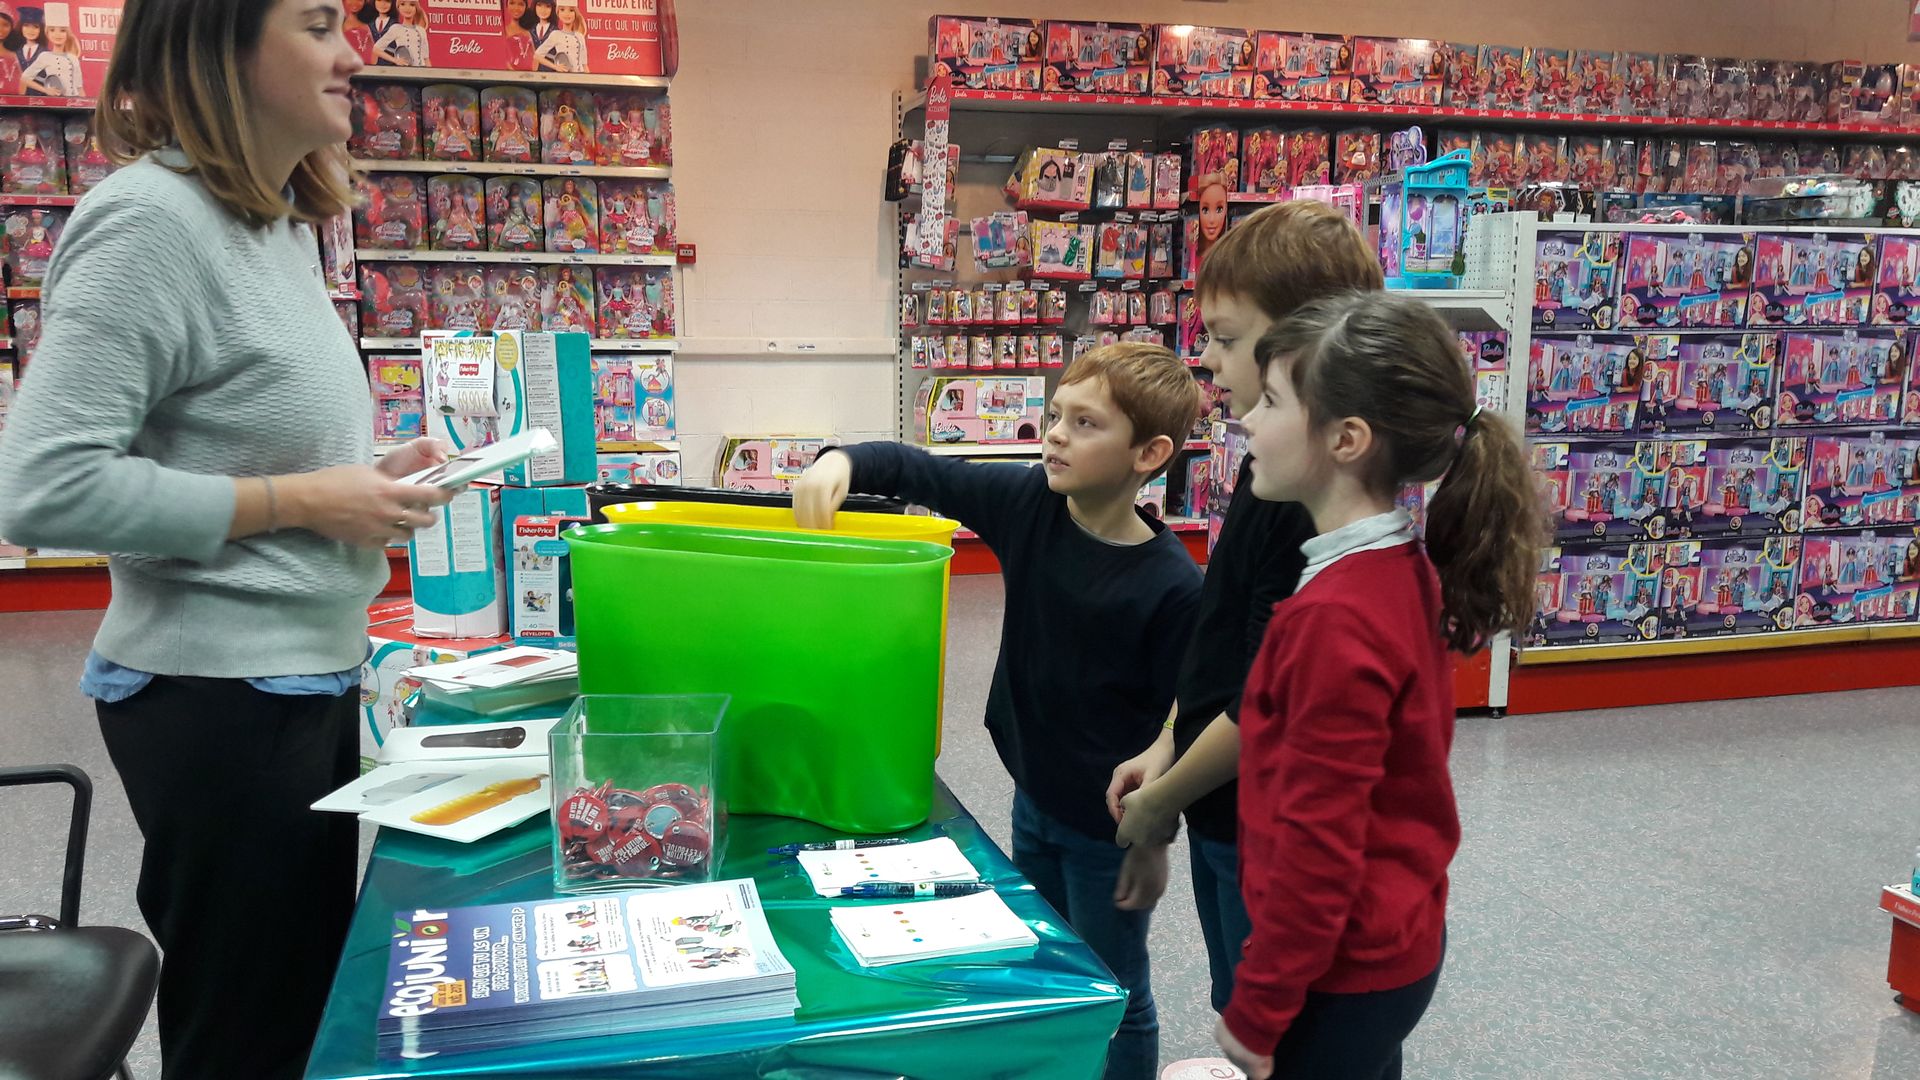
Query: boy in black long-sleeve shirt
<point>1099,599</point>
<point>1279,259</point>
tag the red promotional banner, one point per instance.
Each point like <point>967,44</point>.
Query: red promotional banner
<point>56,50</point>
<point>623,36</point>
<point>602,37</point>
<point>428,33</point>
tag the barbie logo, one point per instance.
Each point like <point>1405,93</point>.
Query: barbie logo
<point>622,52</point>
<point>465,47</point>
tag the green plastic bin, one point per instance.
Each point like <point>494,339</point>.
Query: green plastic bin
<point>829,645</point>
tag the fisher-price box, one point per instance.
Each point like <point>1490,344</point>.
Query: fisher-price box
<point>540,580</point>
<point>768,462</point>
<point>396,648</point>
<point>458,570</point>
<point>963,411</point>
<point>540,380</point>
<point>517,503</point>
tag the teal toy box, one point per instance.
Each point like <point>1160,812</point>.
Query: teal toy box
<point>481,388</point>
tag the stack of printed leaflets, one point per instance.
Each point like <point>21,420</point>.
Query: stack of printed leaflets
<point>495,682</point>
<point>617,963</point>
<point>459,782</point>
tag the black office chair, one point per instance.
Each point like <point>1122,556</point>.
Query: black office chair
<point>72,997</point>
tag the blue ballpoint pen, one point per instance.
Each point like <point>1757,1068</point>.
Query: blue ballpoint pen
<point>894,890</point>
<point>833,845</point>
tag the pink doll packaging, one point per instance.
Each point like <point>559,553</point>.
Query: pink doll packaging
<point>1690,85</point>
<point>1308,157</point>
<point>984,54</point>
<point>573,216</point>
<point>637,217</point>
<point>398,398</point>
<point>1397,71</point>
<point>87,163</point>
<point>566,299</point>
<point>1166,181</point>
<point>393,214</point>
<point>1302,67</point>
<point>1644,86</point>
<point>513,297</point>
<point>1610,491</point>
<point>450,122</point>
<point>1687,281</point>
<point>1866,577</point>
<point>1576,280</point>
<point>1467,82</point>
<point>1711,383</point>
<point>1896,300</point>
<point>1834,377</point>
<point>635,128</point>
<point>393,300</point>
<point>1139,180</point>
<point>336,254</point>
<point>456,214</point>
<point>1730,97</point>
<point>1540,155</point>
<point>1556,85</point>
<point>386,122</point>
<point>349,314</point>
<point>567,127</point>
<point>1263,161</point>
<point>1594,78</point>
<point>26,329</point>
<point>635,302</point>
<point>614,417</point>
<point>1746,585</point>
<point>30,238</point>
<point>1062,250</point>
<point>1097,58</point>
<point>515,219</point>
<point>1865,161</point>
<point>510,123</point>
<point>1213,153</point>
<point>1585,596</point>
<point>1812,279</point>
<point>1508,72</point>
<point>1590,383</point>
<point>36,164</point>
<point>1356,157</point>
<point>1203,61</point>
<point>1859,480</point>
<point>1589,164</point>
<point>458,298</point>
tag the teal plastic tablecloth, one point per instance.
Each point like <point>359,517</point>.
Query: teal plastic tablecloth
<point>1034,1013</point>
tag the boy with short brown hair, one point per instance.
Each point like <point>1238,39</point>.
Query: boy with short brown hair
<point>1099,597</point>
<point>1262,270</point>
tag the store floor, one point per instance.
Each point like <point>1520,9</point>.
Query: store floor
<point>1676,892</point>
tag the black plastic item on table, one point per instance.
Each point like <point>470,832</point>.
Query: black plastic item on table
<point>601,496</point>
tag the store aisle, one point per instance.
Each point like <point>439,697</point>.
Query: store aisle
<point>1655,893</point>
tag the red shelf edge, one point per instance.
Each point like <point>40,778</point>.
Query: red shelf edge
<point>1672,680</point>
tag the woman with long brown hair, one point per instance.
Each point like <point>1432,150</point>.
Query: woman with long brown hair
<point>196,410</point>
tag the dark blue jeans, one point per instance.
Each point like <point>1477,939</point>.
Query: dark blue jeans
<point>1076,874</point>
<point>1223,912</point>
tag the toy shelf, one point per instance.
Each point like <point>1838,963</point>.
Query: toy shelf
<point>38,200</point>
<point>548,258</point>
<point>407,344</point>
<point>64,104</point>
<point>517,78</point>
<point>1036,101</point>
<point>990,450</point>
<point>1783,639</point>
<point>515,168</point>
<point>642,446</point>
<point>31,293</point>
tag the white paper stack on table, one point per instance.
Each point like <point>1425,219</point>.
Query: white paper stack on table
<point>460,782</point>
<point>899,933</point>
<point>936,860</point>
<point>622,963</point>
<point>496,682</point>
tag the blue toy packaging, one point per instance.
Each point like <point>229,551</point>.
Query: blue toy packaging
<point>1745,487</point>
<point>1812,279</point>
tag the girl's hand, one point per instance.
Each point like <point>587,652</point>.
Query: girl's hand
<point>357,504</point>
<point>1143,878</point>
<point>1137,772</point>
<point>1256,1066</point>
<point>1144,821</point>
<point>419,454</point>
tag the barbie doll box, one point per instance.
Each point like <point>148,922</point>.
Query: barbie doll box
<point>768,462</point>
<point>966,411</point>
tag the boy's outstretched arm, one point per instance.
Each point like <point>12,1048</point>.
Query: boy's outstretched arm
<point>984,498</point>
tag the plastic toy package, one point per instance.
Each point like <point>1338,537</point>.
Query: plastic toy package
<point>515,220</point>
<point>1555,83</point>
<point>398,402</point>
<point>1605,596</point>
<point>1308,157</point>
<point>1867,577</point>
<point>1603,490</point>
<point>1590,383</point>
<point>566,299</point>
<point>1062,250</point>
<point>1596,82</point>
<point>1468,85</point>
<point>1002,241</point>
<point>1644,84</point>
<point>635,130</point>
<point>1812,279</point>
<point>457,219</point>
<point>1896,300</point>
<point>1835,377</point>
<point>1730,96</point>
<point>513,297</point>
<point>1576,281</point>
<point>31,234</point>
<point>573,216</point>
<point>1745,585</point>
<point>87,163</point>
<point>393,214</point>
<point>1687,281</point>
<point>1356,156</point>
<point>1862,481</point>
<point>1263,160</point>
<point>393,300</point>
<point>386,122</point>
<point>1508,72</point>
<point>567,127</point>
<point>1302,67</point>
<point>458,298</point>
<point>1213,156</point>
<point>1711,383</point>
<point>985,54</point>
<point>510,123</point>
<point>1690,86</point>
<point>1203,61</point>
<point>614,414</point>
<point>34,149</point>
<point>635,302</point>
<point>1735,487</point>
<point>1099,58</point>
<point>1397,71</point>
<point>450,122</point>
<point>637,217</point>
